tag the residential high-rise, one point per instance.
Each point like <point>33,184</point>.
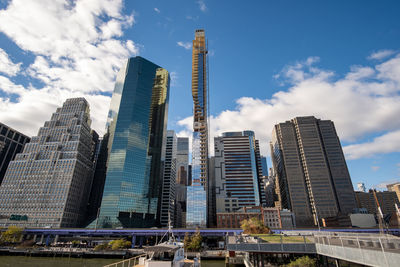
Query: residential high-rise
<point>11,143</point>
<point>48,183</point>
<point>137,123</point>
<point>312,175</point>
<point>196,211</point>
<point>169,180</point>
<point>238,172</point>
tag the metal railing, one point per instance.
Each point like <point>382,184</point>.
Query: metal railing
<point>278,244</point>
<point>369,250</point>
<point>127,263</point>
<point>373,242</point>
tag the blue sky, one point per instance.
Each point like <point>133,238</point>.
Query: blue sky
<point>269,62</point>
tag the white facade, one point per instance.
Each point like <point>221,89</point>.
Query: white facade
<point>169,180</point>
<point>48,184</point>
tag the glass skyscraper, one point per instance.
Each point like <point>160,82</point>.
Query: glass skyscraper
<point>196,211</point>
<point>136,124</point>
<point>169,180</point>
<point>237,172</point>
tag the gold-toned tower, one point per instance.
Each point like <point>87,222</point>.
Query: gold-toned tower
<point>200,95</point>
<point>196,204</point>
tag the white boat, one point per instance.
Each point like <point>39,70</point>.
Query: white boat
<point>168,254</point>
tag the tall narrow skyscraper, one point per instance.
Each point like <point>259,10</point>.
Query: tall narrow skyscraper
<point>137,123</point>
<point>196,212</point>
<point>312,176</point>
<point>169,180</point>
<point>48,184</point>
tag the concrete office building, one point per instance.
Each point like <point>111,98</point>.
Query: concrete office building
<point>48,183</point>
<point>196,205</point>
<point>182,160</point>
<point>182,166</point>
<point>169,180</point>
<point>137,122</point>
<point>394,188</point>
<point>237,172</point>
<point>386,199</point>
<point>11,143</point>
<point>311,172</point>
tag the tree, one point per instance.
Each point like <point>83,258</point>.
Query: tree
<point>12,235</point>
<point>186,241</point>
<point>254,226</point>
<point>119,244</point>
<point>103,246</point>
<point>304,261</point>
<point>193,243</point>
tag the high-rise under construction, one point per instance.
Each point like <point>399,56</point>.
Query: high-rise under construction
<point>197,192</point>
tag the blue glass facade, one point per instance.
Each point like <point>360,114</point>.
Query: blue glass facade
<point>196,210</point>
<point>137,125</point>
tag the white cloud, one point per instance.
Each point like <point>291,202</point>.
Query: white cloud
<point>78,49</point>
<point>157,10</point>
<point>202,5</point>
<point>386,143</point>
<point>186,45</point>
<point>363,102</point>
<point>7,66</point>
<point>381,54</point>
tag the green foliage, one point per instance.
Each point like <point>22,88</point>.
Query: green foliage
<point>119,244</point>
<point>75,243</point>
<point>12,235</point>
<point>254,226</point>
<point>186,241</point>
<point>193,243</point>
<point>303,262</point>
<point>103,246</point>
